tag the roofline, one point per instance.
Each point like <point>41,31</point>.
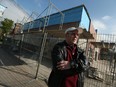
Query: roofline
<point>73,8</point>
<point>78,7</point>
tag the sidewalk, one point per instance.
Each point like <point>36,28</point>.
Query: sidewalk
<point>15,73</point>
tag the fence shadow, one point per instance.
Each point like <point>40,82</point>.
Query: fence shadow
<point>8,58</point>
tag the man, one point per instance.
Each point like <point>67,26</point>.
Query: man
<point>68,61</point>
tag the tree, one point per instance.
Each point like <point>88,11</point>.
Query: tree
<point>6,25</point>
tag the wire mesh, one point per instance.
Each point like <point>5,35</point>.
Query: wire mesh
<point>102,59</point>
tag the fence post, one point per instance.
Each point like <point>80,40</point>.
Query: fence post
<point>41,53</point>
<point>22,38</point>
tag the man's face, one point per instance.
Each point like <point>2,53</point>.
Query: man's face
<point>72,37</point>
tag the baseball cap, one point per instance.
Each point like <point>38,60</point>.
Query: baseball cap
<point>80,29</point>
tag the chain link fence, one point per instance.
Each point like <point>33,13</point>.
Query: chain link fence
<point>35,50</point>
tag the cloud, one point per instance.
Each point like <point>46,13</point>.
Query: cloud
<point>105,25</point>
<point>113,29</point>
<point>106,17</point>
<point>99,24</point>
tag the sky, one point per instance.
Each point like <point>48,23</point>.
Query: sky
<point>102,12</point>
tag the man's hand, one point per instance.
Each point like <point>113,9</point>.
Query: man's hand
<point>63,65</point>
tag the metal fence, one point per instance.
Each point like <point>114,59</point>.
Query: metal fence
<point>35,50</point>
